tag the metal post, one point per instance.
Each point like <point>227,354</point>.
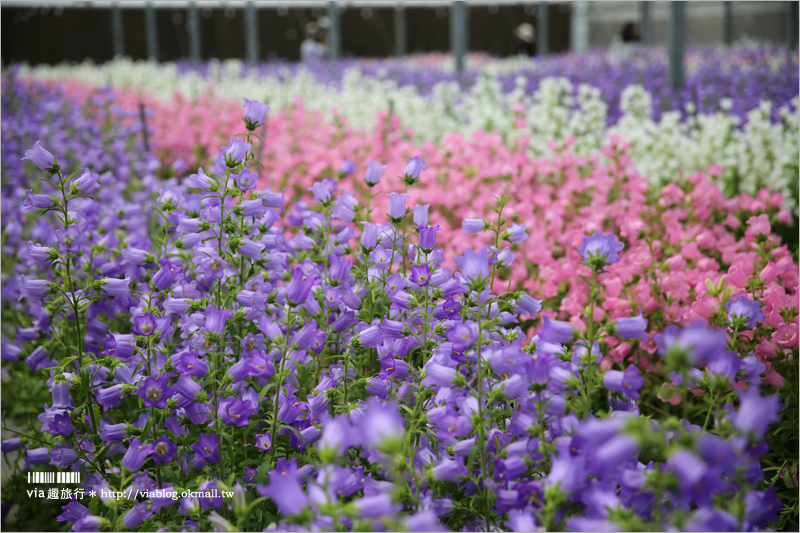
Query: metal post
<point>727,22</point>
<point>579,35</point>
<point>116,21</point>
<point>251,32</point>
<point>194,32</point>
<point>543,42</point>
<point>677,32</point>
<point>458,33</point>
<point>151,31</point>
<point>646,26</point>
<point>335,38</point>
<point>142,117</point>
<point>399,29</point>
<point>793,32</point>
<point>466,30</point>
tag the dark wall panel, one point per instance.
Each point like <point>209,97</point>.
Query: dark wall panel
<point>39,35</point>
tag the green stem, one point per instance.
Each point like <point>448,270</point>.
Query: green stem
<point>710,409</point>
<point>217,352</point>
<point>76,312</point>
<point>278,389</point>
<point>587,386</point>
<point>481,428</point>
<point>344,378</point>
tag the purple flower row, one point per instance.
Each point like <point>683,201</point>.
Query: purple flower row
<point>747,74</point>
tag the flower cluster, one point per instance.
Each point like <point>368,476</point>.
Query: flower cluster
<point>346,363</point>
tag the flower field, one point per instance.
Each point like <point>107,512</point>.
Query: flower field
<point>550,295</point>
<point>738,108</point>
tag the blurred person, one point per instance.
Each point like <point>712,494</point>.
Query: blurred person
<point>322,39</point>
<point>525,34</point>
<point>630,33</point>
<point>313,48</point>
<point>624,42</point>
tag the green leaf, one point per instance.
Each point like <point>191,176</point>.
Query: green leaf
<point>264,392</point>
<point>261,477</point>
<point>147,425</point>
<point>68,360</point>
<point>228,438</point>
<point>472,456</point>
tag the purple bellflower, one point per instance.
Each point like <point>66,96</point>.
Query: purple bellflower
<point>154,392</point>
<point>631,328</point>
<point>206,450</point>
<point>413,169</point>
<point>746,311</point>
<point>473,225</point>
<point>421,214</point>
<point>627,383</point>
<point>40,157</point>
<point>397,205</point>
<point>374,171</point>
<point>347,168</point>
<point>427,237</point>
<point>235,152</point>
<point>254,113</point>
<point>598,249</point>
<point>137,454</point>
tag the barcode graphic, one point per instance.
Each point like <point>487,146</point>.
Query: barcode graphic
<point>54,477</point>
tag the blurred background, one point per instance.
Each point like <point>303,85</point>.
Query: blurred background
<point>269,30</point>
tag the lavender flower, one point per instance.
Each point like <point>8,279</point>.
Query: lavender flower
<point>235,152</point>
<point>40,157</point>
<point>421,214</point>
<point>36,201</point>
<point>347,168</point>
<point>118,288</point>
<point>144,324</point>
<point>427,237</point>
<point>473,225</point>
<point>321,192</point>
<point>374,171</point>
<point>627,383</point>
<point>137,454</point>
<point>529,305</point>
<point>631,328</point>
<point>397,205</point>
<point>555,331</point>
<point>599,249</point>
<point>154,392</point>
<point>413,169</point>
<point>743,309</point>
<point>206,450</point>
<point>254,113</point>
<point>755,412</point>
